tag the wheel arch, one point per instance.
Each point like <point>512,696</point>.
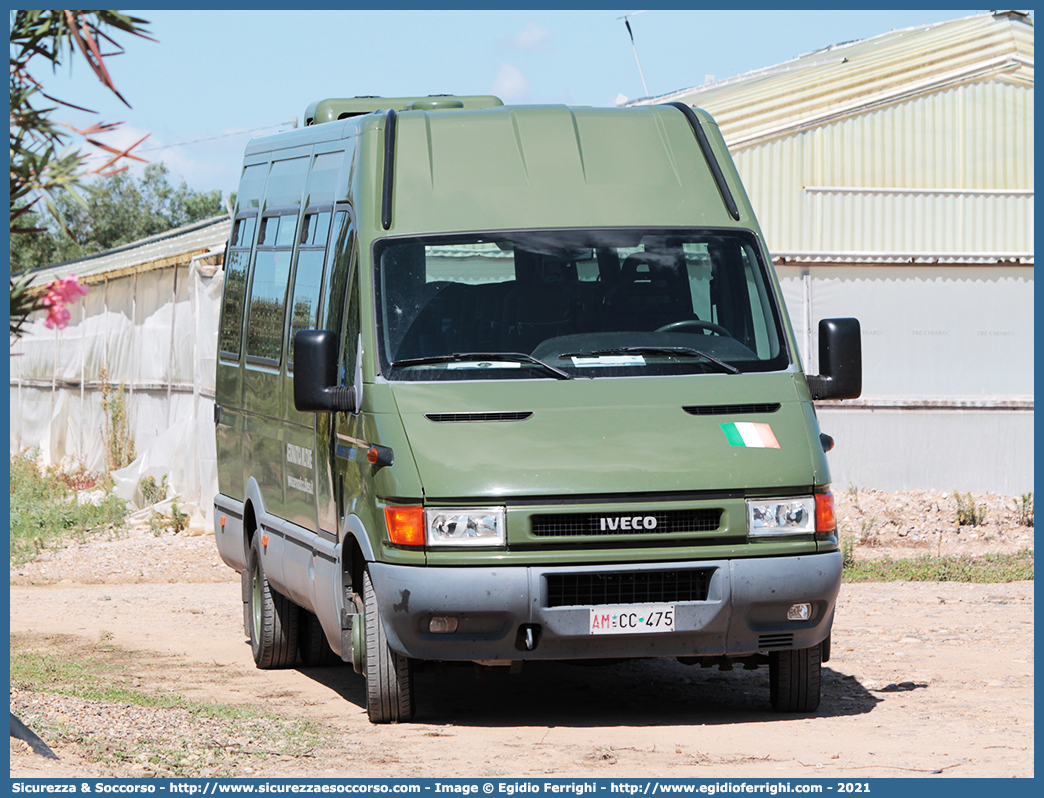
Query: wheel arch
<point>356,551</point>
<point>253,511</point>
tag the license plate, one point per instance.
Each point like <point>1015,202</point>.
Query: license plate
<point>632,619</point>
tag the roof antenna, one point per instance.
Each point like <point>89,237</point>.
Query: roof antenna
<point>631,34</point>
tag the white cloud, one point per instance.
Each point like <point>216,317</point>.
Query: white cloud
<point>532,38</point>
<point>510,84</point>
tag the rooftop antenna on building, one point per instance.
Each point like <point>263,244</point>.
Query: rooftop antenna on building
<point>631,34</point>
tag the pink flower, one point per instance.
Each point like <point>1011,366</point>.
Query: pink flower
<point>57,316</point>
<point>67,290</point>
<point>59,293</point>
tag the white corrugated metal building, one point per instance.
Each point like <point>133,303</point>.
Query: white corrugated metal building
<point>893,178</point>
<point>150,320</point>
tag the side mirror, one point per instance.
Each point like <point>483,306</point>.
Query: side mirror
<point>315,374</point>
<point>840,361</point>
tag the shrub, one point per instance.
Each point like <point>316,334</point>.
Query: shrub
<point>847,550</point>
<point>153,492</point>
<point>119,443</point>
<point>1024,509</point>
<point>968,513</point>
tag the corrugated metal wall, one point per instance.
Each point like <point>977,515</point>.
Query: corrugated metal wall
<point>968,149</point>
<point>917,217</point>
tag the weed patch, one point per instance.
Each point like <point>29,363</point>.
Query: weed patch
<point>45,511</point>
<point>990,568</point>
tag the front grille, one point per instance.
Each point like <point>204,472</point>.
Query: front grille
<point>730,410</point>
<point>636,587</point>
<point>780,640</point>
<point>660,522</point>
<point>521,415</point>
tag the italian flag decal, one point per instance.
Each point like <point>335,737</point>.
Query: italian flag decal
<point>755,436</point>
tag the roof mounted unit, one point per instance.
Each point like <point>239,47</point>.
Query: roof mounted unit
<point>335,109</point>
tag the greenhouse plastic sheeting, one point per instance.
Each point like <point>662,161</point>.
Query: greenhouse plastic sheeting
<point>155,332</point>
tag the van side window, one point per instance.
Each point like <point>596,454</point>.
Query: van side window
<point>308,279</point>
<point>235,285</point>
<point>352,328</point>
<point>338,258</point>
<point>269,286</point>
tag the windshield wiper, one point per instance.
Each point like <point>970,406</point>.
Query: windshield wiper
<point>510,357</point>
<point>656,350</point>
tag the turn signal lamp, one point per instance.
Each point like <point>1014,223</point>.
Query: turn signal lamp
<point>826,523</point>
<point>405,525</point>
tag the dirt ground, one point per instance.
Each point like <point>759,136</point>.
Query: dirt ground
<point>926,679</point>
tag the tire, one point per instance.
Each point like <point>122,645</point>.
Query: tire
<point>794,679</point>
<point>273,618</point>
<point>311,642</point>
<point>389,676</point>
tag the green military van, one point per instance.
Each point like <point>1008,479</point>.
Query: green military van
<point>508,383</point>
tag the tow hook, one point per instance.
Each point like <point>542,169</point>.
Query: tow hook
<point>528,637</point>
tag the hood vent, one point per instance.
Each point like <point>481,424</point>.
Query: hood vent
<point>469,417</point>
<point>730,410</point>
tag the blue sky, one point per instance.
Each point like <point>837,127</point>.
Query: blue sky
<point>212,74</point>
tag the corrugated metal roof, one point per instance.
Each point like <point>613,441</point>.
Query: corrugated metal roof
<point>174,247</point>
<point>912,147</point>
<point>946,173</point>
<point>850,78</point>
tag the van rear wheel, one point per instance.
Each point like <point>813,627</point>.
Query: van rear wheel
<point>794,679</point>
<point>389,676</point>
<point>273,618</point>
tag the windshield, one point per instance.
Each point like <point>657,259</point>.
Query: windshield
<point>586,303</point>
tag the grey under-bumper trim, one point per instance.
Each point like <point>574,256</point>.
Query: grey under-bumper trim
<point>745,609</point>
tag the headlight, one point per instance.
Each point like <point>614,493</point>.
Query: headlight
<point>781,517</point>
<point>465,527</point>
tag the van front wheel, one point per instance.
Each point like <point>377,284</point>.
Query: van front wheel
<point>794,679</point>
<point>311,642</point>
<point>273,618</point>
<point>389,676</point>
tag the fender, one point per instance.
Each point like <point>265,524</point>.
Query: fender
<point>269,525</point>
<point>353,526</point>
<point>229,537</point>
<point>331,605</point>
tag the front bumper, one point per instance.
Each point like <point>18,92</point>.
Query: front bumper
<point>744,610</point>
